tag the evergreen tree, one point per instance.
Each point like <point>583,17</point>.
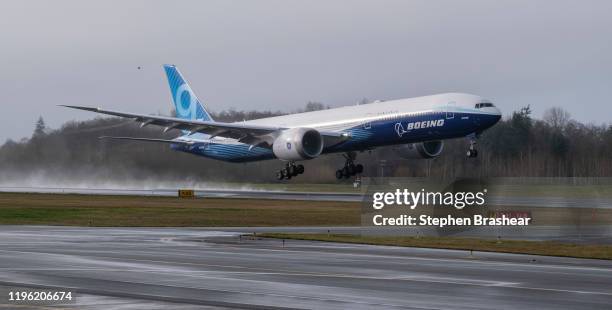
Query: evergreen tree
<point>40,127</point>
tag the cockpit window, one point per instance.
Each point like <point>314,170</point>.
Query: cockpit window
<point>484,105</point>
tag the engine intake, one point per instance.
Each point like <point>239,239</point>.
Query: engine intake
<point>298,144</point>
<point>429,149</point>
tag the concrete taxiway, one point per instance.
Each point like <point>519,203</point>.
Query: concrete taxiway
<point>165,268</point>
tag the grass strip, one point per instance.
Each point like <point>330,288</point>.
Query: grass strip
<point>549,248</point>
<point>144,211</point>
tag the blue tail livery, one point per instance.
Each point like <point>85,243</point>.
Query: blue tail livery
<point>186,103</point>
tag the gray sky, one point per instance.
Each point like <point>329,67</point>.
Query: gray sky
<point>280,54</point>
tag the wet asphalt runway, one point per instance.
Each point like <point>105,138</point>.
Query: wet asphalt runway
<point>189,268</point>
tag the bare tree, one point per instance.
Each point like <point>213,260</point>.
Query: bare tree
<point>556,117</point>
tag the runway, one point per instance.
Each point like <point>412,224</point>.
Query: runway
<point>520,201</point>
<point>156,268</point>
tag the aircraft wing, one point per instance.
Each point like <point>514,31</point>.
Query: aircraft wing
<point>148,140</point>
<point>254,135</point>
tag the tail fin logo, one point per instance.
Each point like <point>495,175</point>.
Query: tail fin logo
<point>186,103</point>
<point>186,106</point>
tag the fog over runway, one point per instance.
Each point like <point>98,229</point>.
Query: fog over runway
<point>559,202</point>
<point>190,268</point>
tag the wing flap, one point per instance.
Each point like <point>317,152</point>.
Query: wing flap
<point>148,140</point>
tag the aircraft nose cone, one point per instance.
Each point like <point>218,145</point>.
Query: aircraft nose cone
<point>497,114</point>
<point>495,117</point>
<point>490,118</point>
<point>497,111</point>
<point>494,111</point>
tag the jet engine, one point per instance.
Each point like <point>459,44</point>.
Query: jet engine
<point>298,144</point>
<point>429,149</point>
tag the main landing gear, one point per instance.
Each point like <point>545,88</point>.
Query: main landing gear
<point>472,152</point>
<point>349,169</point>
<point>290,171</point>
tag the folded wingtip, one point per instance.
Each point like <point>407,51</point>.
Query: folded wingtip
<point>78,107</point>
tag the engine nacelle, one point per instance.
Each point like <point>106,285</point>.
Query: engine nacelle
<point>298,144</point>
<point>429,149</point>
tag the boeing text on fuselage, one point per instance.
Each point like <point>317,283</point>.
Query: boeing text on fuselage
<point>399,128</point>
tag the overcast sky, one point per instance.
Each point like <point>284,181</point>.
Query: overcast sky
<point>279,55</point>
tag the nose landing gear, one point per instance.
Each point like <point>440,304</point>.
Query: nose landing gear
<point>291,170</point>
<point>349,169</point>
<point>472,152</point>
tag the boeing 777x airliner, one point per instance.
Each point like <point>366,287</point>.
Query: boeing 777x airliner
<point>415,127</point>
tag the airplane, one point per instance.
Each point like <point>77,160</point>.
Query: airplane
<point>414,128</point>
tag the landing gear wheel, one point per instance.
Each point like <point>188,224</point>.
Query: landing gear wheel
<point>472,153</point>
<point>359,168</point>
<point>345,173</point>
<point>291,171</point>
<point>350,169</point>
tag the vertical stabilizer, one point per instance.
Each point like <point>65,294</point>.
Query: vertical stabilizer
<point>186,103</point>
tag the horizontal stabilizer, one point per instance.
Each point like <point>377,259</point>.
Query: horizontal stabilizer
<point>148,140</point>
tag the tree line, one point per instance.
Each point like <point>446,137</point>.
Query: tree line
<point>518,146</point>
